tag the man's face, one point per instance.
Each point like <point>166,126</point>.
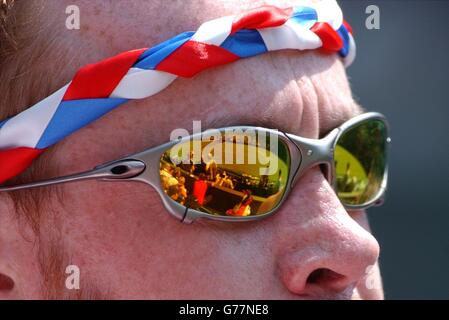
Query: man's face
<point>119,234</point>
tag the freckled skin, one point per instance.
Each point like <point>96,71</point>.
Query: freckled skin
<point>120,235</point>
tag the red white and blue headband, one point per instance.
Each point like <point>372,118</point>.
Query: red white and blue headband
<point>99,88</point>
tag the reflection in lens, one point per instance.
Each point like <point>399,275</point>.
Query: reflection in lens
<point>360,162</point>
<point>233,177</point>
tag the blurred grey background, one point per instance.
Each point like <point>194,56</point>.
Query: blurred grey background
<point>402,70</point>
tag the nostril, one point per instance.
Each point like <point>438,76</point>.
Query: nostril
<point>315,276</point>
<point>324,276</point>
<point>6,283</point>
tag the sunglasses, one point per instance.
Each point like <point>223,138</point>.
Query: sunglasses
<point>245,173</point>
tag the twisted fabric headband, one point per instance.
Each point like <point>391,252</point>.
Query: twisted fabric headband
<point>98,88</point>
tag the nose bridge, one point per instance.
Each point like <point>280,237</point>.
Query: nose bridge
<point>314,152</point>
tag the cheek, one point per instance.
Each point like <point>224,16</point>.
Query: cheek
<point>230,261</point>
<point>123,239</point>
<point>115,232</point>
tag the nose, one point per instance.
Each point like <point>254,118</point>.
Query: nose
<point>321,250</point>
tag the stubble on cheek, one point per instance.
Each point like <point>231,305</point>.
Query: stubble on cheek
<point>54,258</point>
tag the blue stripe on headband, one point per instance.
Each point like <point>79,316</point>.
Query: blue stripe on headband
<point>73,115</point>
<point>245,43</point>
<point>152,57</point>
<point>344,34</point>
<point>304,16</point>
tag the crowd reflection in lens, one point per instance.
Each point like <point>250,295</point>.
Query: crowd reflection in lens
<point>226,190</point>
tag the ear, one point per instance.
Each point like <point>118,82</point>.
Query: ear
<point>19,268</point>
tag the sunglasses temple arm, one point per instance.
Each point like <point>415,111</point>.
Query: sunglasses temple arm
<point>118,170</point>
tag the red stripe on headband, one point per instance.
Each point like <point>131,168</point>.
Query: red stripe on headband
<point>330,38</point>
<point>262,17</point>
<point>15,161</point>
<point>193,57</point>
<point>100,79</point>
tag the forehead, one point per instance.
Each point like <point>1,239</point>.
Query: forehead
<point>140,23</point>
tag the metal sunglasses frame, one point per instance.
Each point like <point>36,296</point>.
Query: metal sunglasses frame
<point>305,153</point>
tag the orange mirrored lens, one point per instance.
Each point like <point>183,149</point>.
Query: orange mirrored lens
<point>233,177</point>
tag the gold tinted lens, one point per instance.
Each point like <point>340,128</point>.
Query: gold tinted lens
<point>237,174</point>
<point>360,162</point>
